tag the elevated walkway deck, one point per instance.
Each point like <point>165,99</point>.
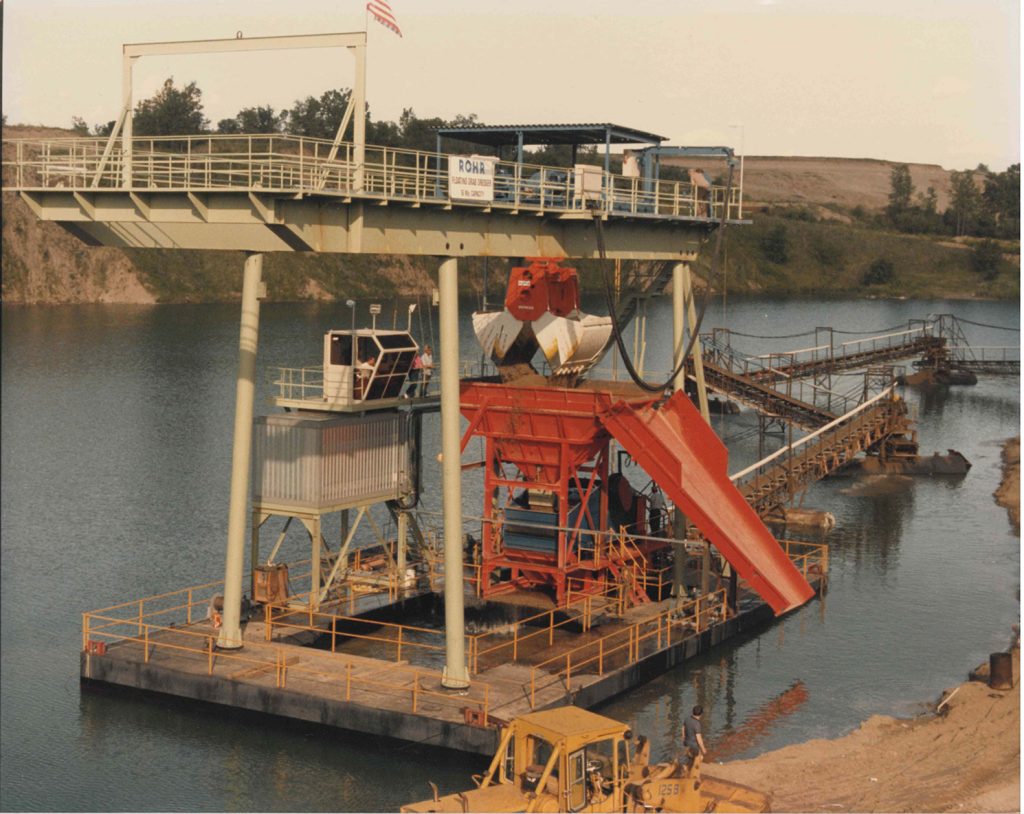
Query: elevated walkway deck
<point>290,193</point>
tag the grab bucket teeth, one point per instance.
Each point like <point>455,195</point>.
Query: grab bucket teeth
<point>572,346</point>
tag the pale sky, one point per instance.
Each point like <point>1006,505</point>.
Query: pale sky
<point>934,81</point>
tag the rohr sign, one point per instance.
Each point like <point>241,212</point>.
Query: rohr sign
<point>470,178</point>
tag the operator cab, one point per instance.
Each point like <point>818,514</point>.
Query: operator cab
<point>381,359</point>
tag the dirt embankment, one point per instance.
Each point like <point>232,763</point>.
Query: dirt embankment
<point>818,183</point>
<point>965,758</point>
<point>1008,493</point>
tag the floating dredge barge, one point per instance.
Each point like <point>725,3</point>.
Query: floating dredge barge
<point>597,592</point>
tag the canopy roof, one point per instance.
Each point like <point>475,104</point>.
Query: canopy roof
<point>498,135</point>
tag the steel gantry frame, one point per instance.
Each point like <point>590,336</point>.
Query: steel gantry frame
<point>183,193</point>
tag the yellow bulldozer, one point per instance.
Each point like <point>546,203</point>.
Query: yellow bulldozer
<point>570,759</point>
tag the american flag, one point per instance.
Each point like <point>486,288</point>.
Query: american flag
<point>383,14</point>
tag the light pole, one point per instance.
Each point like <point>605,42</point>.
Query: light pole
<point>742,153</point>
<point>352,305</point>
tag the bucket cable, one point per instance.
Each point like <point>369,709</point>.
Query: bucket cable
<point>694,329</point>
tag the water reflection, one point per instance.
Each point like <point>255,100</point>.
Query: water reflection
<point>757,725</point>
<point>870,517</point>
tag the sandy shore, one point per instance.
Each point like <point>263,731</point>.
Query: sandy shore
<point>967,758</point>
<point>1008,493</point>
<point>964,758</point>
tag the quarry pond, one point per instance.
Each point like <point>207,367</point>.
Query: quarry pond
<point>116,432</point>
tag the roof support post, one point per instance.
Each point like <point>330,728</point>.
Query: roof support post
<point>455,676</point>
<point>245,390</point>
<point>359,116</point>
<point>126,129</point>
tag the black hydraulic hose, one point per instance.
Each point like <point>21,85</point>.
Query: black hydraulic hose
<point>411,500</point>
<point>694,330</point>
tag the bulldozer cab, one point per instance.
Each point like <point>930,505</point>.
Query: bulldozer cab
<point>577,759</point>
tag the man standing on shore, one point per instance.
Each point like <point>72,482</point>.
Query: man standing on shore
<point>693,736</point>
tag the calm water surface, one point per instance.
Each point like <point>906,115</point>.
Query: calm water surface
<point>116,431</point>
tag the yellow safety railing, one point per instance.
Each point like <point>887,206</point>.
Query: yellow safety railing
<point>811,559</point>
<point>283,617</point>
<point>631,643</point>
<point>253,663</point>
<point>583,604</point>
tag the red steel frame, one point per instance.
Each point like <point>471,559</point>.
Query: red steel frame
<point>553,437</point>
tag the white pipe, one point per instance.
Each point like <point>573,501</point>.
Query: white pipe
<point>883,336</point>
<point>455,676</point>
<point>815,434</point>
<point>792,352</point>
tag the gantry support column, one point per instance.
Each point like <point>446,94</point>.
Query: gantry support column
<point>245,391</point>
<point>678,346</point>
<point>683,305</point>
<point>455,675</point>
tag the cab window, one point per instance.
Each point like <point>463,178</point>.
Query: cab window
<point>509,765</point>
<point>577,780</point>
<point>341,349</point>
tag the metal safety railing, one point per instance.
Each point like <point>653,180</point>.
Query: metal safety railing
<point>184,630</point>
<point>340,680</point>
<point>985,353</point>
<point>302,165</point>
<point>719,350</point>
<point>627,646</point>
<point>131,624</point>
<point>307,383</point>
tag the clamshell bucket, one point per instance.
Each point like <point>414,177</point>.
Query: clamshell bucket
<point>542,312</point>
<point>572,346</point>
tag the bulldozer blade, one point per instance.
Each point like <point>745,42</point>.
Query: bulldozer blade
<point>572,346</point>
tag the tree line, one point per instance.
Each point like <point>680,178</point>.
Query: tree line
<point>990,209</point>
<point>178,111</point>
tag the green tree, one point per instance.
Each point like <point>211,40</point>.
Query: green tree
<point>775,245</point>
<point>879,272</point>
<point>79,126</point>
<point>319,118</point>
<point>261,119</point>
<point>928,201</point>
<point>171,112</point>
<point>1001,200</point>
<point>985,258</point>
<point>103,129</point>
<point>417,133</point>
<point>965,202</point>
<point>383,134</point>
<point>901,192</point>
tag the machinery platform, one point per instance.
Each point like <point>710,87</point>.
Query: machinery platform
<point>365,682</point>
